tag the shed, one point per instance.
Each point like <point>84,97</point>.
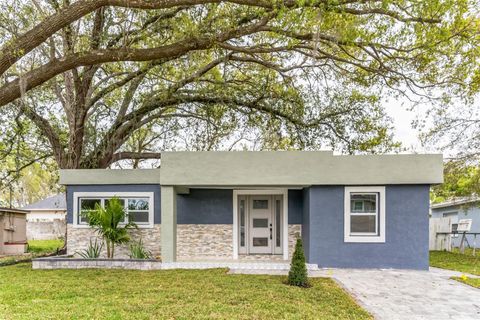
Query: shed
<point>13,231</point>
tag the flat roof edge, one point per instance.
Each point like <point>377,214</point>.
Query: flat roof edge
<point>109,176</point>
<point>270,168</point>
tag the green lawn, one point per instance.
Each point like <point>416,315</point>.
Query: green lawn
<point>455,261</point>
<point>36,248</point>
<point>44,246</point>
<point>166,294</point>
<point>459,262</point>
<point>474,282</point>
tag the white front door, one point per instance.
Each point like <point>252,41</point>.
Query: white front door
<point>261,224</point>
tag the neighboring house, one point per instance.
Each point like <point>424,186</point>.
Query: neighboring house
<point>458,209</point>
<point>13,238</point>
<point>368,211</point>
<point>46,218</point>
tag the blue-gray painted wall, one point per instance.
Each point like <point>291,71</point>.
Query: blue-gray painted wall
<point>320,210</point>
<point>406,245</point>
<point>471,211</point>
<point>200,206</point>
<point>295,206</point>
<point>155,188</point>
<point>306,223</point>
<point>214,206</point>
<point>205,206</point>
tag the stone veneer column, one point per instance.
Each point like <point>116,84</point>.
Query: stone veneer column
<point>169,223</point>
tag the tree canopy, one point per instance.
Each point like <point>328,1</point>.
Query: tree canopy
<point>461,180</point>
<point>93,82</point>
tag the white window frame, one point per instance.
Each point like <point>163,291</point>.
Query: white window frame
<point>377,237</point>
<point>97,195</point>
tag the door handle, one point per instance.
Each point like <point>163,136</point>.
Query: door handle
<point>270,233</point>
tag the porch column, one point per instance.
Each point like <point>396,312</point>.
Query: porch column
<point>169,224</point>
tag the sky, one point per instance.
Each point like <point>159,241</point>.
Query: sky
<point>402,123</point>
<point>403,117</point>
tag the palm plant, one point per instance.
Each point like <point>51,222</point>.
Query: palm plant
<point>108,223</point>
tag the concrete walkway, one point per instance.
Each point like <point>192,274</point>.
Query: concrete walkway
<point>400,294</point>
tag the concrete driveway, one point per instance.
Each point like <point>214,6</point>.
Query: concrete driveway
<point>400,294</point>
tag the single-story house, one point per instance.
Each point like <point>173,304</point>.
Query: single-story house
<point>13,236</point>
<point>46,219</point>
<point>365,211</point>
<point>458,209</point>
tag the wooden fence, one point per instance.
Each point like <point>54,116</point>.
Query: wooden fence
<point>440,237</point>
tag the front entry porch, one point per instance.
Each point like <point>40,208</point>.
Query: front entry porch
<point>226,224</point>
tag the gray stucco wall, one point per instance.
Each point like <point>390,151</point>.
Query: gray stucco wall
<point>406,245</point>
<point>464,212</point>
<point>155,188</point>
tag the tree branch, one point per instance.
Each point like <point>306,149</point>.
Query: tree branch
<point>14,50</point>
<point>135,155</point>
<point>36,77</point>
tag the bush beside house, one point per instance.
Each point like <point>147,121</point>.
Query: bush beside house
<point>297,276</point>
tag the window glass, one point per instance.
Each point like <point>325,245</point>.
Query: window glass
<point>364,214</point>
<point>260,223</point>
<point>86,206</point>
<point>242,223</point>
<point>136,209</point>
<point>363,203</point>
<point>361,223</point>
<point>260,242</point>
<point>89,204</point>
<point>122,202</point>
<point>260,204</point>
<point>138,204</point>
<point>277,223</point>
<point>138,216</point>
<point>454,227</point>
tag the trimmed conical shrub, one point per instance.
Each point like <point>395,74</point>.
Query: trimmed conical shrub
<point>297,276</point>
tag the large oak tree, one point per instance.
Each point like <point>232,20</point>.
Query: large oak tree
<point>100,80</point>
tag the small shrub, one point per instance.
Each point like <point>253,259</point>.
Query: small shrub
<point>297,276</point>
<point>138,251</point>
<point>93,250</point>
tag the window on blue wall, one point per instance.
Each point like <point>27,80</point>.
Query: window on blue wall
<point>86,206</point>
<point>364,214</point>
<point>137,209</point>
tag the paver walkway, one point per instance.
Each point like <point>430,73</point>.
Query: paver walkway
<point>404,294</point>
<point>400,294</point>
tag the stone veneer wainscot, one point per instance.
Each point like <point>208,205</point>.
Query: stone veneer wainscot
<point>78,239</point>
<point>194,241</point>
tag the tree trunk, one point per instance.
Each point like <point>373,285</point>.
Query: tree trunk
<point>108,248</point>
